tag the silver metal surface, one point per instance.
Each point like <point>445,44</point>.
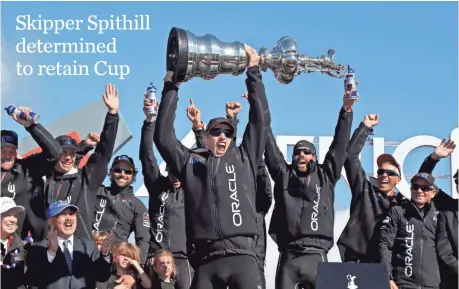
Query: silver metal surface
<point>209,57</point>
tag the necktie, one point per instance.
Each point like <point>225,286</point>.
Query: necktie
<point>67,256</point>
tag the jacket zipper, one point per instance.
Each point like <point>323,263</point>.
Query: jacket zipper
<point>250,200</point>
<point>300,214</point>
<point>170,220</point>
<point>217,217</point>
<point>422,246</point>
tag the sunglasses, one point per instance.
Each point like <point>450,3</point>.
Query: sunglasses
<point>67,141</point>
<point>218,131</point>
<point>389,173</point>
<point>423,188</point>
<point>120,170</point>
<point>304,151</point>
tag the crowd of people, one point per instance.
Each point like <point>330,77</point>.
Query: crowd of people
<point>204,227</point>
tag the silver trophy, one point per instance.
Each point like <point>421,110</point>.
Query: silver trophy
<point>190,56</point>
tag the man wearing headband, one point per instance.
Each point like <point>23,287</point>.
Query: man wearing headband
<point>447,230</point>
<point>407,241</point>
<point>303,217</point>
<point>219,186</point>
<point>371,197</point>
<point>66,182</point>
<point>117,205</point>
<point>19,174</point>
<point>264,190</point>
<point>166,206</point>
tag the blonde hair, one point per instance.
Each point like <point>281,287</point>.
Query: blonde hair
<point>162,253</point>
<point>99,236</point>
<point>127,249</point>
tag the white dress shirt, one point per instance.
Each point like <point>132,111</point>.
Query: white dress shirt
<point>61,245</point>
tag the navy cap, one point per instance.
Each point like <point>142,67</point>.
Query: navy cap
<point>306,146</point>
<point>425,176</point>
<point>123,158</point>
<point>221,122</point>
<point>9,138</point>
<point>66,141</point>
<point>57,207</point>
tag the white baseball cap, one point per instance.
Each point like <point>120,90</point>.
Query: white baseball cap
<point>8,205</point>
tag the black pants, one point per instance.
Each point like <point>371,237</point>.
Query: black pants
<point>298,270</point>
<point>232,272</point>
<point>260,251</point>
<point>184,274</point>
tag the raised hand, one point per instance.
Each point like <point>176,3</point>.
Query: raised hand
<point>193,113</point>
<point>147,105</point>
<point>53,244</point>
<point>107,244</point>
<point>253,59</point>
<point>371,120</point>
<point>444,150</point>
<point>21,121</point>
<point>92,139</point>
<point>111,98</point>
<point>233,108</point>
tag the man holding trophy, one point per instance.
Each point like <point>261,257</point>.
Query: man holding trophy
<point>219,183</point>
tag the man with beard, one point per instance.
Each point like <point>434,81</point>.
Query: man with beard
<point>447,219</point>
<point>19,174</point>
<point>304,193</point>
<point>78,186</point>
<point>371,198</point>
<point>166,206</point>
<point>263,183</point>
<point>64,260</point>
<point>219,186</point>
<point>118,208</point>
<point>407,243</point>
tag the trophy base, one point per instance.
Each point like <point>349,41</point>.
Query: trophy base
<point>177,54</point>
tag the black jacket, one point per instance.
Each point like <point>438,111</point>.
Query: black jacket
<point>264,191</point>
<point>368,206</point>
<point>166,204</point>
<point>219,191</point>
<point>131,215</point>
<point>407,245</point>
<point>18,182</point>
<point>79,186</point>
<point>88,266</point>
<point>304,213</point>
<point>13,264</point>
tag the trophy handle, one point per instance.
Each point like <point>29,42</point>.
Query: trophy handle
<point>177,54</point>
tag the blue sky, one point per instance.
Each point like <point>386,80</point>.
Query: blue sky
<point>404,55</point>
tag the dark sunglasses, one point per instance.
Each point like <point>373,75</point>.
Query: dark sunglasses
<point>389,173</point>
<point>423,188</point>
<point>299,151</point>
<point>120,170</point>
<point>67,141</point>
<point>218,131</point>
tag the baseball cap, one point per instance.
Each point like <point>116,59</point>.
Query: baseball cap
<point>425,176</point>
<point>305,145</point>
<point>455,176</point>
<point>220,122</point>
<point>66,141</point>
<point>388,158</point>
<point>8,205</point>
<point>57,207</point>
<point>9,138</point>
<point>123,158</point>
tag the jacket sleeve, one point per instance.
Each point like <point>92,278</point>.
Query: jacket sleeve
<point>388,233</point>
<point>443,244</point>
<point>142,231</point>
<point>82,149</point>
<point>275,161</point>
<point>150,168</point>
<point>428,165</point>
<point>336,155</point>
<point>171,149</point>
<point>39,164</point>
<point>254,139</point>
<point>234,122</point>
<point>199,135</point>
<point>264,189</point>
<point>96,168</point>
<point>39,270</point>
<point>355,173</point>
<point>101,266</point>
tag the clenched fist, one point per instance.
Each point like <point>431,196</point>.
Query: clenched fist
<point>233,108</point>
<point>371,120</point>
<point>25,123</point>
<point>92,139</point>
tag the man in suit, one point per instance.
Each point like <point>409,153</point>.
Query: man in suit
<point>65,260</point>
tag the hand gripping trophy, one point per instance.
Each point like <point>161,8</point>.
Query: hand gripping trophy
<point>190,56</point>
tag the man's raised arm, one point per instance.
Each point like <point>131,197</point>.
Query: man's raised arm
<point>171,149</point>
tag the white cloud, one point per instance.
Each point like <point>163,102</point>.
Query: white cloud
<point>341,218</point>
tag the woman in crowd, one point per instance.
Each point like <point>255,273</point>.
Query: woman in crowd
<point>164,270</point>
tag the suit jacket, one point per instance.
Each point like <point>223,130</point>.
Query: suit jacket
<point>88,266</point>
